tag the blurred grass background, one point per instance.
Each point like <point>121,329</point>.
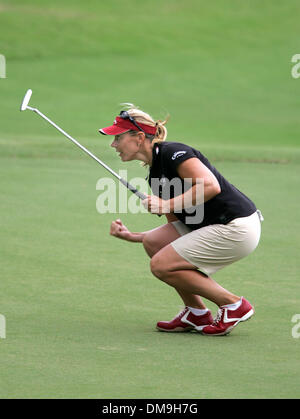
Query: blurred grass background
<point>81,307</point>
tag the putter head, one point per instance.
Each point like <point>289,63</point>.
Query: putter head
<point>26,100</point>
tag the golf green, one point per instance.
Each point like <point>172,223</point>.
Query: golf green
<point>81,306</point>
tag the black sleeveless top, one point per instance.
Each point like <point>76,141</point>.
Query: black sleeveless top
<point>229,204</point>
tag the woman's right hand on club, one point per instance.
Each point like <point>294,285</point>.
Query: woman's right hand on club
<point>118,229</point>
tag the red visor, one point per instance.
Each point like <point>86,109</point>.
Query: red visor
<point>121,125</point>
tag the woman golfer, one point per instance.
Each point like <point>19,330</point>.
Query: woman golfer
<point>211,224</point>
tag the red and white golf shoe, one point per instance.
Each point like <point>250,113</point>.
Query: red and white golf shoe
<point>186,321</point>
<point>228,318</point>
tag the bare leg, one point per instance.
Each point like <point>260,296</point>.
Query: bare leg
<point>170,267</point>
<point>153,242</point>
<point>191,300</point>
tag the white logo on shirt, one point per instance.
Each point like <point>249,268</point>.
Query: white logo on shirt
<point>178,154</point>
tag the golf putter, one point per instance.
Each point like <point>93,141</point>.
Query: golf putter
<point>24,106</point>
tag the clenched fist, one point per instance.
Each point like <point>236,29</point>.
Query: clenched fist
<point>118,229</point>
<point>156,205</point>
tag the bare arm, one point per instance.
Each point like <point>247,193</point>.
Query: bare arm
<point>199,174</point>
<point>204,186</point>
<point>171,217</point>
<point>119,230</point>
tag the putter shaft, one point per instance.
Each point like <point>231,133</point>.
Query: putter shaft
<point>123,181</point>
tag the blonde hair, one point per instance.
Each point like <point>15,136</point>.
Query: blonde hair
<point>145,118</point>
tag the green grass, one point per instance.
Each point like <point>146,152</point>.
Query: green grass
<point>81,306</point>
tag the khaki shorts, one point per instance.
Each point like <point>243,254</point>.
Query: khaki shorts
<point>215,246</point>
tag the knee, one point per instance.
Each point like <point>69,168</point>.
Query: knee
<point>158,268</point>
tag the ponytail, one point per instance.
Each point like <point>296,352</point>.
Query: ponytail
<point>161,131</point>
<point>145,118</point>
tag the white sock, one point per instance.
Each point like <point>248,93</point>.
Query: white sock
<point>198,311</point>
<point>233,306</point>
